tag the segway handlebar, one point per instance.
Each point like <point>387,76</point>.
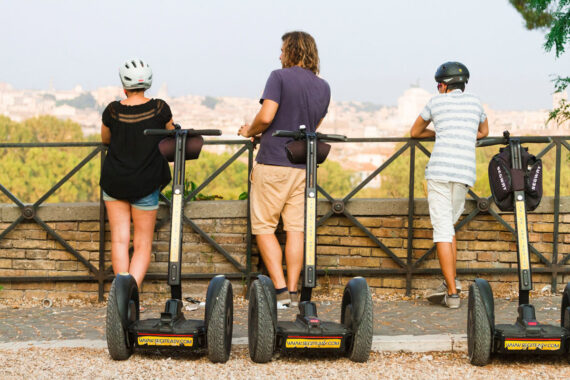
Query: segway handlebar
<point>505,140</point>
<point>300,135</point>
<point>322,136</point>
<point>189,132</point>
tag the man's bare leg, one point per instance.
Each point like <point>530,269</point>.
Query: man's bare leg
<point>272,257</point>
<point>294,258</point>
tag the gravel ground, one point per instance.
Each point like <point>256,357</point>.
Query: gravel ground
<point>96,364</point>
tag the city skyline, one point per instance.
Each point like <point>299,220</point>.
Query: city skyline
<point>354,118</point>
<point>370,51</point>
<point>351,118</point>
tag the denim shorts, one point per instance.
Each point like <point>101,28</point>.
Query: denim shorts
<point>146,203</point>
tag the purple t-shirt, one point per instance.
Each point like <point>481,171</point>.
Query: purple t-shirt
<point>303,99</point>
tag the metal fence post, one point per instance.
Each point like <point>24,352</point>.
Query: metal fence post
<point>102,272</point>
<point>411,185</point>
<point>554,282</point>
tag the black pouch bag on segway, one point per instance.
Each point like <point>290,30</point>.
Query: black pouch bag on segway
<point>297,151</point>
<point>503,179</point>
<point>167,147</point>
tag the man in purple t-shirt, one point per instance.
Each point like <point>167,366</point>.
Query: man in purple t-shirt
<point>293,96</point>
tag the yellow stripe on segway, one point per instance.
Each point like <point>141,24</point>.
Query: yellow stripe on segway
<point>522,235</point>
<point>175,227</point>
<point>152,340</point>
<point>312,343</point>
<point>310,232</point>
<point>532,345</point>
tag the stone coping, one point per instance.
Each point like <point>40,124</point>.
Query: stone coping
<point>89,211</point>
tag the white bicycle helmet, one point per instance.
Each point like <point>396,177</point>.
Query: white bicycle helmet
<point>135,74</point>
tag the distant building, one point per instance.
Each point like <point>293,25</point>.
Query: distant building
<point>162,92</point>
<point>64,111</point>
<point>411,103</point>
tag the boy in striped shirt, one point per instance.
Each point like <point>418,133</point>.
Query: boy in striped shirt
<point>459,120</point>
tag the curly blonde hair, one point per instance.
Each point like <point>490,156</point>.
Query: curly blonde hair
<point>300,48</point>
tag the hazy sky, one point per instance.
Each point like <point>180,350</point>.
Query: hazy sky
<point>370,50</point>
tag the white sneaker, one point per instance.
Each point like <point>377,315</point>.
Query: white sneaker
<point>283,300</point>
<point>452,301</point>
<point>438,295</point>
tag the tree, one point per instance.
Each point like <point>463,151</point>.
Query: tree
<point>82,101</point>
<point>334,179</point>
<point>210,102</point>
<point>534,19</point>
<point>29,173</point>
<point>554,17</point>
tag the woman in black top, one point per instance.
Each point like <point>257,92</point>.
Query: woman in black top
<point>134,171</point>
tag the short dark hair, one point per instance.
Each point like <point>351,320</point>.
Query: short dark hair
<point>136,90</point>
<point>456,86</point>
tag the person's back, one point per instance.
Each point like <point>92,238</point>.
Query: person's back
<point>456,116</point>
<point>303,99</point>
<point>134,167</point>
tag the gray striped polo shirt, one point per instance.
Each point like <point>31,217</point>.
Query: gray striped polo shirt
<point>456,117</point>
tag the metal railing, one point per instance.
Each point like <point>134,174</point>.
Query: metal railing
<point>406,266</point>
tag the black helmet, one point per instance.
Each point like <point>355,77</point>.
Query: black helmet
<point>452,72</point>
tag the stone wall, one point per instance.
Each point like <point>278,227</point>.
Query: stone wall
<point>29,250</point>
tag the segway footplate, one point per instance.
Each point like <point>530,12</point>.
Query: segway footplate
<point>297,335</point>
<point>182,333</point>
<point>544,339</point>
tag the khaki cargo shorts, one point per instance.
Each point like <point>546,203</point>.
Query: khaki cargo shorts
<point>277,191</point>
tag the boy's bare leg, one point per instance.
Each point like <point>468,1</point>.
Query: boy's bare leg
<point>447,264</point>
<point>454,249</point>
<point>272,257</point>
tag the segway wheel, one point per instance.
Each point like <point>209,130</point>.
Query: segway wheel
<point>357,315</point>
<point>565,313</point>
<point>117,336</point>
<point>260,329</point>
<point>220,325</point>
<point>479,337</point>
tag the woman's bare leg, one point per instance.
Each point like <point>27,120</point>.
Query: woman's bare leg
<point>143,222</point>
<point>119,214</point>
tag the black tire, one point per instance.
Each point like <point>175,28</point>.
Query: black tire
<point>479,333</point>
<point>357,315</point>
<point>564,318</point>
<point>117,336</point>
<point>220,325</point>
<point>260,328</point>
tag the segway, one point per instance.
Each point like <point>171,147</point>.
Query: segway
<point>526,335</point>
<point>125,331</point>
<point>353,335</point>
